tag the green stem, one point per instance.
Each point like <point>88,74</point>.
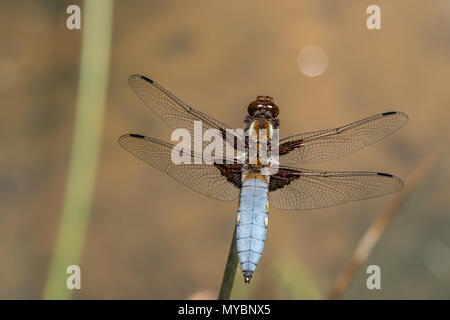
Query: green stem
<point>230,271</point>
<point>93,87</point>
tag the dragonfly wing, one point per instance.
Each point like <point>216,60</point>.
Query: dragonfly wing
<point>296,189</point>
<point>325,145</point>
<point>218,181</point>
<point>174,112</point>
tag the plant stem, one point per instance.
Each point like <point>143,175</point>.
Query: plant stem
<point>92,92</point>
<point>230,270</point>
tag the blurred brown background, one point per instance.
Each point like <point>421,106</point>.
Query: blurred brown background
<point>152,238</point>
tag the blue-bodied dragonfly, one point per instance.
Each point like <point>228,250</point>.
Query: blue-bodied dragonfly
<point>287,188</point>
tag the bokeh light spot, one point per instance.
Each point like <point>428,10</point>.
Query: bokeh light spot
<point>312,61</point>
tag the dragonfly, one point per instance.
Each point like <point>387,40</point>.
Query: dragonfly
<point>289,187</point>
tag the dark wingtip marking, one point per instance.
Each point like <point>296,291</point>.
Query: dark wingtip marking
<point>384,174</point>
<point>147,79</point>
<point>388,113</point>
<point>136,135</point>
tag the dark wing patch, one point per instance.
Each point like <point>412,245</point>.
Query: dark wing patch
<point>233,173</point>
<point>283,178</point>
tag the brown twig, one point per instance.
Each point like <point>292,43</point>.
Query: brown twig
<point>377,228</point>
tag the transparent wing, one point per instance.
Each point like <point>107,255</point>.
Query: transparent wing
<point>174,112</point>
<point>297,189</point>
<point>217,181</point>
<point>325,145</point>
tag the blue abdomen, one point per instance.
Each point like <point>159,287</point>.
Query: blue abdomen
<point>252,224</point>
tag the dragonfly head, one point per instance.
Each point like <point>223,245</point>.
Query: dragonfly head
<point>263,107</point>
